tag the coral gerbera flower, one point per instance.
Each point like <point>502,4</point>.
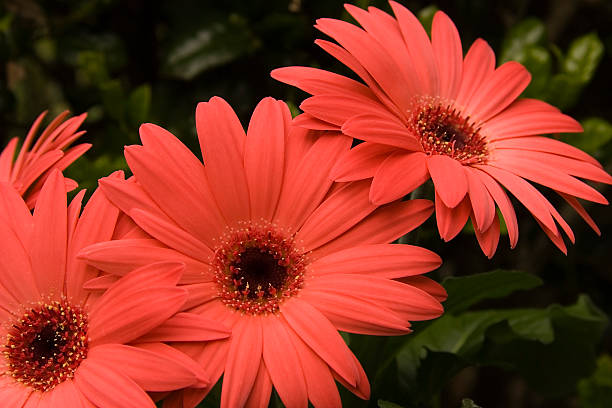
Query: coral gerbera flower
<point>65,347</point>
<point>425,111</point>
<point>29,170</point>
<point>273,250</point>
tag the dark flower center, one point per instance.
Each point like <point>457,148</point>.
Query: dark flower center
<point>258,273</point>
<point>257,267</point>
<point>46,346</point>
<point>442,130</point>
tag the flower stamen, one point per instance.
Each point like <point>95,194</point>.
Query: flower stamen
<point>443,130</point>
<point>46,346</point>
<point>257,267</point>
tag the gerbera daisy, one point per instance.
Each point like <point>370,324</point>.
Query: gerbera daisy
<point>28,171</point>
<point>61,346</point>
<point>273,250</point>
<point>425,111</point>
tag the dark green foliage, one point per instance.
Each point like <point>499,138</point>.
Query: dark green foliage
<point>468,290</point>
<point>552,348</point>
<point>596,391</point>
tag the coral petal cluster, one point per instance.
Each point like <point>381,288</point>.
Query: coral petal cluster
<point>424,111</point>
<point>275,250</point>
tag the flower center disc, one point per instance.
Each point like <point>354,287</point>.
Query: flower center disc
<point>46,346</point>
<point>442,130</point>
<point>256,268</point>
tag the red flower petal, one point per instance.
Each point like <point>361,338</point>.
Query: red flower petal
<point>262,389</point>
<point>322,390</point>
<point>143,366</point>
<point>546,145</point>
<point>546,173</point>
<point>581,211</point>
<point>504,204</point>
<point>499,91</point>
<point>50,234</point>
<point>419,47</point>
<point>399,174</point>
<point>321,336</point>
<point>384,225</point>
<point>222,141</point>
<point>449,179</point>
<point>446,46</point>
<point>360,162</point>
<point>243,362</point>
<point>187,327</point>
<point>356,315</point>
<point>478,66</point>
<point>450,221</point>
<point>96,224</point>
<point>482,202</point>
<point>489,238</point>
<point>338,213</point>
<point>317,81</point>
<point>383,260</point>
<point>371,56</point>
<point>94,379</point>
<point>525,193</point>
<point>527,117</point>
<point>265,154</point>
<point>305,185</point>
<point>136,304</point>
<point>120,257</point>
<point>283,363</point>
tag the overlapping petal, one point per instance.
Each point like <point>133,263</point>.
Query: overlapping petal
<point>35,160</point>
<point>91,333</point>
<point>292,220</point>
<point>460,112</point>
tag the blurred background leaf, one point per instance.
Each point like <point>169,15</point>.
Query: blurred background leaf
<point>468,290</point>
<point>596,391</point>
<point>552,347</point>
<point>468,403</point>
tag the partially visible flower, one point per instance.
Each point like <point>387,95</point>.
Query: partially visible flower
<point>425,111</point>
<point>64,346</point>
<point>273,249</point>
<point>30,168</point>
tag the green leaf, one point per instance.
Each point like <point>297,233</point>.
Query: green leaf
<point>213,398</point>
<point>533,326</point>
<point>583,57</point>
<point>597,132</point>
<point>113,99</point>
<point>563,90</point>
<point>426,16</point>
<point>527,33</point>
<point>92,68</point>
<point>387,404</point>
<point>33,90</point>
<point>461,336</point>
<point>293,108</point>
<point>596,391</point>
<point>468,403</point>
<point>468,290</point>
<point>87,171</point>
<point>538,62</point>
<point>552,348</point>
<point>5,22</point>
<point>577,68</point>
<point>46,49</point>
<point>209,46</point>
<point>139,104</point>
<point>554,369</point>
